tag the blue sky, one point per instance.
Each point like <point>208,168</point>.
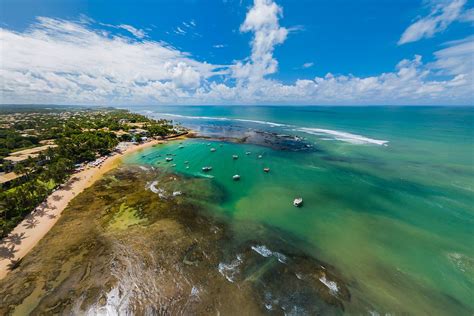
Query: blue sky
<point>237,52</point>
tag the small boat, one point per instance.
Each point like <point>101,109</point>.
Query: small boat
<point>236,177</point>
<point>213,149</point>
<point>208,144</point>
<point>173,165</point>
<point>169,159</point>
<point>247,153</point>
<point>235,157</point>
<point>181,147</point>
<point>298,202</point>
<point>260,156</point>
<point>266,169</point>
<point>186,162</point>
<point>207,168</point>
<point>187,167</point>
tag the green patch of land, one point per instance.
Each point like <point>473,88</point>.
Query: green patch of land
<point>40,146</point>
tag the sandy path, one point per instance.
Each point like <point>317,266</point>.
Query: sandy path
<point>30,231</point>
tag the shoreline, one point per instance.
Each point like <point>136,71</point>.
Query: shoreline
<point>24,237</point>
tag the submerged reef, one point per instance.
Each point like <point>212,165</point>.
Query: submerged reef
<point>130,244</point>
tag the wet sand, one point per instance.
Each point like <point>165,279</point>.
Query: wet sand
<point>35,226</point>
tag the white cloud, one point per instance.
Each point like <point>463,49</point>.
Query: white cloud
<point>443,13</point>
<point>136,32</point>
<point>219,46</point>
<point>180,31</point>
<point>262,20</point>
<point>307,65</point>
<point>77,62</point>
<point>62,60</point>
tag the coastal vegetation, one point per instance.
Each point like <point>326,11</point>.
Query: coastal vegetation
<point>68,138</point>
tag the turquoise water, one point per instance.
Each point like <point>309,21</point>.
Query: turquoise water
<point>388,193</point>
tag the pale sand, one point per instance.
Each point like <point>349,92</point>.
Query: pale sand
<point>35,226</point>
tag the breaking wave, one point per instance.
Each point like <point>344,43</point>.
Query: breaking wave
<point>328,133</point>
<point>265,252</point>
<point>342,136</point>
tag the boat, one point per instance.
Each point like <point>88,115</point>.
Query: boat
<point>186,162</point>
<point>260,156</point>
<point>169,159</point>
<point>235,157</point>
<point>236,177</point>
<point>173,165</point>
<point>206,168</point>
<point>181,147</point>
<point>247,153</point>
<point>266,169</point>
<point>298,202</point>
<point>213,149</point>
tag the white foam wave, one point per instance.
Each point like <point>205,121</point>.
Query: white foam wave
<point>342,136</point>
<point>265,252</point>
<point>230,270</point>
<point>334,134</point>
<point>161,192</point>
<point>221,119</point>
<point>331,285</point>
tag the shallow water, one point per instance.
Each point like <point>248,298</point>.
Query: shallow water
<point>386,225</point>
<point>131,244</point>
<point>388,194</point>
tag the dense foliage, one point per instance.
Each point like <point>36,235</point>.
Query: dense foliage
<point>81,135</point>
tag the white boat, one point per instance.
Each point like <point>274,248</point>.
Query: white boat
<point>213,149</point>
<point>298,202</point>
<point>247,153</point>
<point>266,169</point>
<point>206,168</point>
<point>260,156</point>
<point>236,177</point>
<point>235,157</point>
<point>169,159</point>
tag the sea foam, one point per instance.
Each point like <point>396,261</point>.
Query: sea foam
<point>333,134</point>
<point>342,136</point>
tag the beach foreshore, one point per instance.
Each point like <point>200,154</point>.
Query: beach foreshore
<point>37,224</point>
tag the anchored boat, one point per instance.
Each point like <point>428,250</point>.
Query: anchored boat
<point>235,157</point>
<point>266,169</point>
<point>298,202</point>
<point>236,177</point>
<point>206,168</point>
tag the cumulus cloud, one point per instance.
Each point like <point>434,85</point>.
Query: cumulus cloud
<point>307,65</point>
<point>80,62</point>
<point>442,14</point>
<point>58,59</point>
<point>262,20</point>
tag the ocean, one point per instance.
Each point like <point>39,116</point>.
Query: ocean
<point>388,192</point>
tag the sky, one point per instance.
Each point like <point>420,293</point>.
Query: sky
<point>263,52</point>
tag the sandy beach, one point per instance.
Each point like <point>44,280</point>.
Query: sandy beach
<point>37,224</point>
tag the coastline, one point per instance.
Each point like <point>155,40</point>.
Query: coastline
<point>36,225</point>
